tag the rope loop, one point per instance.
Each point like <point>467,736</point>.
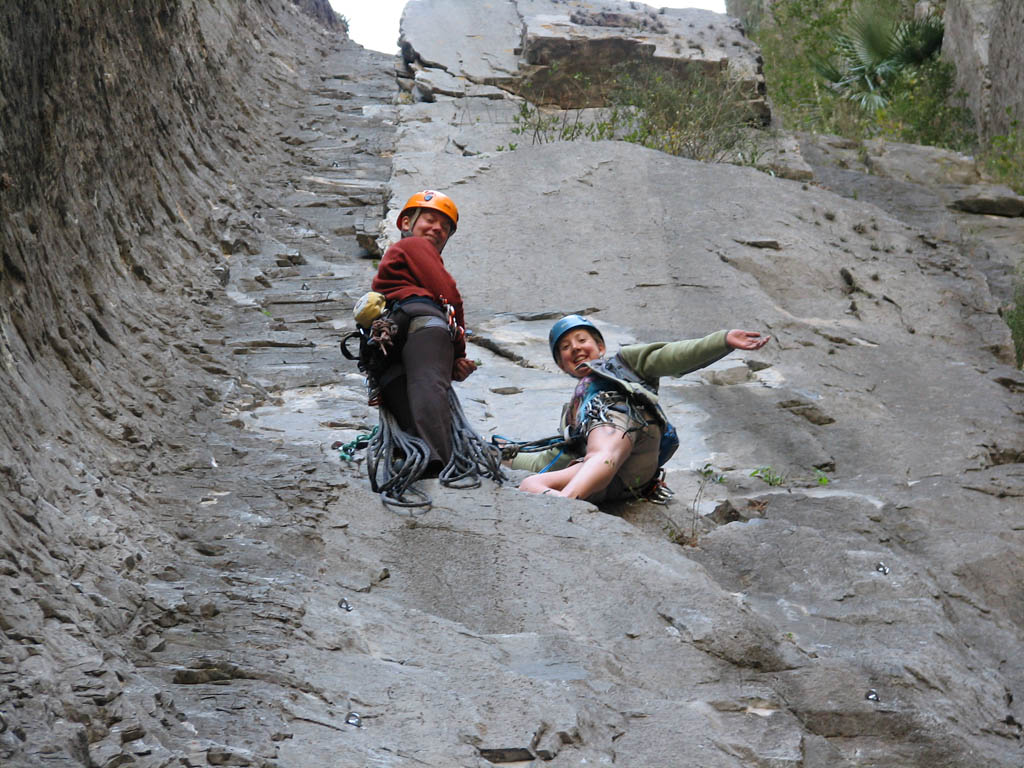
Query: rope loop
<point>395,460</point>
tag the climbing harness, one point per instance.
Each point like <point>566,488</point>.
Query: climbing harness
<point>375,353</point>
<point>639,394</point>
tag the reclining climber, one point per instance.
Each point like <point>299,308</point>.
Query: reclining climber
<point>614,414</point>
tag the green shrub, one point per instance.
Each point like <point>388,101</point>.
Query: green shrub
<point>796,33</point>
<point>874,53</point>
<point>1004,157</point>
<point>692,114</point>
<point>921,111</point>
<point>697,115</point>
<point>861,71</point>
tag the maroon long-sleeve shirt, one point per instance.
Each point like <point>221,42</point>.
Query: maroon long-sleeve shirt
<point>413,267</point>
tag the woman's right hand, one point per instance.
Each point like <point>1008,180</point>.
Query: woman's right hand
<point>462,368</point>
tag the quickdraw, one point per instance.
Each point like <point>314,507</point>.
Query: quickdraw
<point>456,330</point>
<point>347,450</point>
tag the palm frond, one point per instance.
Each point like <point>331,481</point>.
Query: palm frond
<point>872,37</point>
<point>918,40</point>
<point>828,69</point>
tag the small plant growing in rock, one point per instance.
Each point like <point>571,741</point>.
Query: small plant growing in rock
<point>820,477</point>
<point>769,475</point>
<point>708,474</point>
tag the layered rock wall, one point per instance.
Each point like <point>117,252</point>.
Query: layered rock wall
<point>194,569</point>
<point>125,130</point>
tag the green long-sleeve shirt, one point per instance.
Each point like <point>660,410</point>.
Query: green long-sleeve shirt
<point>650,362</point>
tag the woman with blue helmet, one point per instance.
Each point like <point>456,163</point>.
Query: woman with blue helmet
<point>614,414</point>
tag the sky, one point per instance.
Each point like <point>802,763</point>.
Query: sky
<point>374,23</point>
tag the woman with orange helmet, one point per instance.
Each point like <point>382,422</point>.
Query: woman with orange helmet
<point>426,306</point>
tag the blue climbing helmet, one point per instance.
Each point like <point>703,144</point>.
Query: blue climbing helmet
<point>566,324</point>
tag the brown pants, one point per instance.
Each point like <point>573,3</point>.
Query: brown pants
<point>417,394</point>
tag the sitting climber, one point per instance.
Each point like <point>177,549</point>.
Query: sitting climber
<point>614,416</point>
<point>426,307</point>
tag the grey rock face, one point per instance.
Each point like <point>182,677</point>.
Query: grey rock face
<point>190,575</point>
<point>968,35</point>
<point>560,53</point>
<point>983,40</point>
<point>834,279</point>
<point>1007,60</point>
<point>941,192</point>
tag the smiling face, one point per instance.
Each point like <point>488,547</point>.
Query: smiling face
<point>431,224</point>
<point>575,347</point>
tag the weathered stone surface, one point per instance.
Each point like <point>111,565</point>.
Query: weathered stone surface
<point>919,164</point>
<point>1006,56</point>
<point>478,41</point>
<point>431,83</point>
<point>982,39</point>
<point>968,28</point>
<point>989,199</point>
<point>993,244</point>
<point>774,153</point>
<point>861,246</point>
<point>560,53</point>
<point>191,575</point>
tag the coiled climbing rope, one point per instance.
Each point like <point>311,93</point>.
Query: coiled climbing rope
<point>395,460</point>
<point>471,456</point>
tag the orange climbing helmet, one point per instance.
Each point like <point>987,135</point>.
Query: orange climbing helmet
<point>438,201</point>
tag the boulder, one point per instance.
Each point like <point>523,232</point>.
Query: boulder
<point>989,199</point>
<point>920,164</point>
